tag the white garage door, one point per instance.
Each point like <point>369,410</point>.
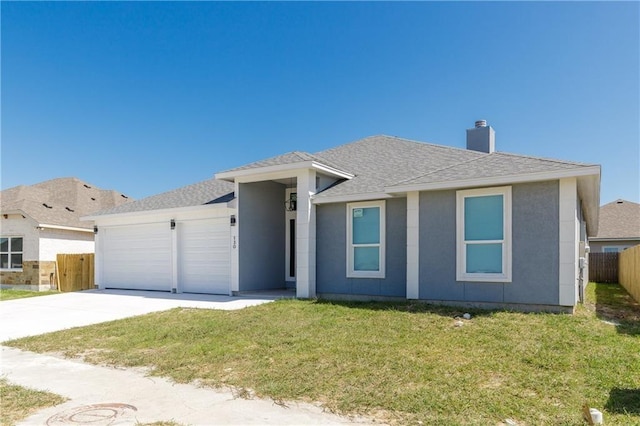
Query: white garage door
<point>137,257</point>
<point>204,259</point>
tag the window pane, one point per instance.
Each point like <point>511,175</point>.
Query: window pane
<point>483,218</point>
<point>4,245</point>
<point>16,261</point>
<point>16,244</point>
<point>4,261</point>
<point>610,250</point>
<point>366,259</point>
<point>484,258</point>
<point>366,225</point>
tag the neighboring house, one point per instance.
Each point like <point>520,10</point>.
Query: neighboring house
<point>379,218</point>
<point>619,227</point>
<point>42,220</point>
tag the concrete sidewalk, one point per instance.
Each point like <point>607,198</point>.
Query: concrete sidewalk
<point>44,314</point>
<point>106,396</point>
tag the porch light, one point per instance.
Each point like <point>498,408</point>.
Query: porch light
<point>95,229</point>
<point>233,220</point>
<point>291,204</point>
<point>173,224</point>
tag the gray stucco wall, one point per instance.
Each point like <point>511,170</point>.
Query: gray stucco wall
<point>261,236</point>
<point>331,252</point>
<point>535,247</point>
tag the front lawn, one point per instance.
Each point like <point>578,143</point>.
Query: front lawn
<point>9,294</point>
<point>403,363</point>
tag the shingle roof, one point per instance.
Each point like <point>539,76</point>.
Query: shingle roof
<point>206,192</point>
<point>381,161</point>
<point>385,161</point>
<point>619,219</point>
<point>288,158</point>
<point>60,202</point>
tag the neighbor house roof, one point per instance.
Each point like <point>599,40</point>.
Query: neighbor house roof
<point>210,191</point>
<point>60,202</point>
<point>619,220</point>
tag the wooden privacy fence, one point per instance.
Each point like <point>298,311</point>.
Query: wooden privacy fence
<point>630,271</point>
<point>75,271</point>
<point>603,267</point>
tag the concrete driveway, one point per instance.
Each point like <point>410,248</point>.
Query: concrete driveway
<point>43,314</point>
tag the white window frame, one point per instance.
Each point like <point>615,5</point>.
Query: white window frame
<point>10,252</point>
<point>461,244</point>
<point>351,273</point>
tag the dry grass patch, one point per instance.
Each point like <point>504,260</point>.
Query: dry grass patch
<point>409,361</point>
<point>18,403</point>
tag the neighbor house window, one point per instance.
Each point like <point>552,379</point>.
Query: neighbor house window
<point>366,239</point>
<point>483,229</point>
<point>612,249</point>
<point>11,253</point>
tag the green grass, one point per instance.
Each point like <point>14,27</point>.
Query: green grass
<point>18,403</point>
<point>9,294</point>
<point>404,363</point>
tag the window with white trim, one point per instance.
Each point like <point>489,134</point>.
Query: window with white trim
<point>366,239</point>
<point>11,253</point>
<point>483,230</point>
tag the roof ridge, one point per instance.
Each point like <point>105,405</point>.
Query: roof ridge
<point>620,201</point>
<point>413,141</point>
<point>435,145</point>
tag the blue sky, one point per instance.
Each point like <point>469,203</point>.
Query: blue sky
<point>146,97</point>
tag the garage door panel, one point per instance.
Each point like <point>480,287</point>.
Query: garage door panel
<point>137,257</point>
<point>204,257</point>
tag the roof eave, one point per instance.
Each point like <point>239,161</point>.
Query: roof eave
<point>228,204</point>
<point>16,211</point>
<point>614,238</point>
<point>351,198</point>
<point>63,228</point>
<point>232,175</point>
<point>588,179</point>
<point>496,180</point>
<point>589,192</point>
